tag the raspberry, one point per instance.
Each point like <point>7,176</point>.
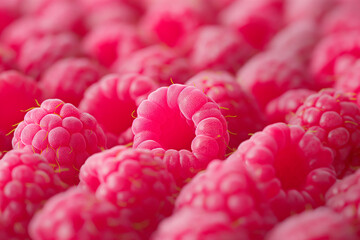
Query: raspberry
<point>122,93</point>
<point>7,58</point>
<point>240,110</point>
<point>68,79</point>
<point>219,48</point>
<point>291,168</point>
<point>183,126</point>
<point>348,81</point>
<point>321,223</point>
<point>8,13</point>
<point>107,43</point>
<point>26,182</point>
<point>133,180</point>
<point>157,62</point>
<point>334,118</point>
<point>37,54</point>
<point>78,214</point>
<point>62,134</point>
<point>209,225</point>
<point>17,93</point>
<point>228,189</point>
<point>270,74</point>
<point>282,108</point>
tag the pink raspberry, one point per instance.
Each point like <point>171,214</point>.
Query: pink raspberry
<point>183,126</point>
<point>37,54</point>
<point>242,114</point>
<point>78,214</point>
<point>228,189</point>
<point>62,134</point>
<point>17,93</point>
<point>334,118</point>
<point>321,223</point>
<point>330,53</point>
<point>282,108</point>
<point>107,43</point>
<point>26,182</point>
<point>197,224</point>
<point>257,21</point>
<point>291,168</point>
<point>68,78</point>
<point>219,48</point>
<point>133,180</point>
<point>157,62</point>
<point>8,13</point>
<point>348,81</point>
<point>270,74</point>
<point>113,100</point>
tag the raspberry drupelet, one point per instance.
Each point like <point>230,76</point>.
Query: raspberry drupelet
<point>135,181</point>
<point>333,117</point>
<point>113,100</point>
<point>26,182</point>
<point>62,134</point>
<point>291,168</point>
<point>78,214</point>
<point>183,126</point>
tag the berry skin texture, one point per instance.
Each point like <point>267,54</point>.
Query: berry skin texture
<point>133,180</point>
<point>113,100</point>
<point>333,117</point>
<point>26,182</point>
<point>78,214</point>
<point>291,168</point>
<point>242,114</point>
<point>68,78</point>
<point>321,223</point>
<point>62,134</point>
<point>197,224</point>
<point>183,126</point>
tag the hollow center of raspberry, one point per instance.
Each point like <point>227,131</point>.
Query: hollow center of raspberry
<point>177,133</point>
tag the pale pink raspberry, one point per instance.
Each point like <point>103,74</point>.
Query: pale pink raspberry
<point>160,63</point>
<point>78,214</point>
<point>198,224</point>
<point>333,117</point>
<point>113,100</point>
<point>62,134</point>
<point>242,114</point>
<point>282,108</point>
<point>349,80</point>
<point>184,127</point>
<point>68,78</point>
<point>320,223</point>
<point>26,182</point>
<point>291,168</point>
<point>219,48</point>
<point>135,181</point>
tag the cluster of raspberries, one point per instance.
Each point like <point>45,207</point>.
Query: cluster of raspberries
<point>180,119</point>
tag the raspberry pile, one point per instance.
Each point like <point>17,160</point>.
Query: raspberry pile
<point>181,119</point>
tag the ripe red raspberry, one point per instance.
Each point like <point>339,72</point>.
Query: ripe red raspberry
<point>335,119</point>
<point>282,108</point>
<point>184,127</point>
<point>242,114</point>
<point>219,48</point>
<point>349,80</point>
<point>157,62</point>
<point>37,54</point>
<point>26,182</point>
<point>68,78</point>
<point>113,100</point>
<point>228,188</point>
<point>321,223</point>
<point>62,134</point>
<point>135,181</point>
<point>198,224</point>
<point>270,74</point>
<point>78,214</point>
<point>291,168</point>
<point>17,93</point>
<point>107,43</point>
